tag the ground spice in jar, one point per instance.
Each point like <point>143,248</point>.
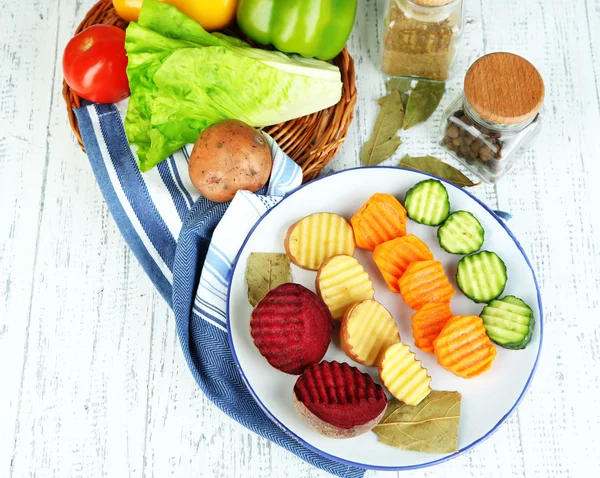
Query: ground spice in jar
<point>419,39</point>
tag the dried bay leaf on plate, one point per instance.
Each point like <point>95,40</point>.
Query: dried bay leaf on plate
<point>384,141</point>
<point>422,102</point>
<point>264,272</point>
<point>432,165</point>
<point>430,427</point>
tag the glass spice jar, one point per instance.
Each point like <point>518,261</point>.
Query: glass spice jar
<point>497,117</point>
<point>420,37</point>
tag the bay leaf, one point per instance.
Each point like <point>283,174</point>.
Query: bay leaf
<point>430,427</point>
<point>384,141</point>
<point>432,165</point>
<point>403,85</point>
<point>422,102</point>
<point>404,98</point>
<point>400,84</point>
<point>264,272</point>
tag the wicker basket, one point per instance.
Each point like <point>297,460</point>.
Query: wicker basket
<point>311,140</point>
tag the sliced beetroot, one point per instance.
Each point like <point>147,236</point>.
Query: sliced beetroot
<point>291,327</point>
<point>338,400</point>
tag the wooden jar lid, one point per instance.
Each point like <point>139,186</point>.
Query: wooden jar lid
<point>432,3</point>
<point>504,88</point>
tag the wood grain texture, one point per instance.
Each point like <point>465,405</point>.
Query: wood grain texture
<point>24,113</point>
<point>504,88</point>
<point>92,379</point>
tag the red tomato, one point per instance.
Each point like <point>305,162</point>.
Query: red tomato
<point>95,62</point>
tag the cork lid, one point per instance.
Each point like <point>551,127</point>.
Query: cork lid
<point>432,3</point>
<point>504,88</point>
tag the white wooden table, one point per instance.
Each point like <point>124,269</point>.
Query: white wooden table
<point>92,379</point>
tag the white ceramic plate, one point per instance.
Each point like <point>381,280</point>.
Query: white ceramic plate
<point>487,400</point>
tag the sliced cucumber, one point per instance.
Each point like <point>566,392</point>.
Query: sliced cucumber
<point>427,203</point>
<point>509,322</point>
<point>482,276</point>
<point>461,233</point>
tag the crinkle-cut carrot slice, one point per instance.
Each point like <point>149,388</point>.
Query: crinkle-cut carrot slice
<point>381,219</point>
<point>424,282</point>
<point>393,257</point>
<point>428,322</point>
<point>463,347</point>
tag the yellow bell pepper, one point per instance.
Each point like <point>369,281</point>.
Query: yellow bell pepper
<point>128,10</point>
<point>211,14</point>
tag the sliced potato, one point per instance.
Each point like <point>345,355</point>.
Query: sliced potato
<point>403,375</point>
<point>318,237</point>
<point>342,282</point>
<point>368,330</point>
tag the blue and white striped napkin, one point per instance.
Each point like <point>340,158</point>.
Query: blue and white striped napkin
<point>187,245</point>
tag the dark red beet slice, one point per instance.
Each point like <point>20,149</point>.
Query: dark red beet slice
<point>291,327</point>
<point>338,400</point>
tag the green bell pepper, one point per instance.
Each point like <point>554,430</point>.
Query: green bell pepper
<point>312,28</point>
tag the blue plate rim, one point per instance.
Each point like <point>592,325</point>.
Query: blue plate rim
<point>376,467</point>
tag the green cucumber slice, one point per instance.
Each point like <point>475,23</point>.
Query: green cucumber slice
<point>509,322</point>
<point>461,233</point>
<point>482,276</point>
<point>428,203</point>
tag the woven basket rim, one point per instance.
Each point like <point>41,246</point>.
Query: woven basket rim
<point>312,141</point>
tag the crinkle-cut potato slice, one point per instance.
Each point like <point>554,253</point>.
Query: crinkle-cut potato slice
<point>341,282</point>
<point>425,282</point>
<point>382,218</point>
<point>463,347</point>
<point>368,330</point>
<point>403,375</point>
<point>317,237</point>
<point>428,322</point>
<point>393,257</point>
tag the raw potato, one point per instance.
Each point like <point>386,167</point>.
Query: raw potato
<point>318,237</point>
<point>403,375</point>
<point>228,157</point>
<point>341,282</point>
<point>368,330</point>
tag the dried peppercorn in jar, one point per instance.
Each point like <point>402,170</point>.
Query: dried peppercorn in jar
<point>420,37</point>
<point>497,117</point>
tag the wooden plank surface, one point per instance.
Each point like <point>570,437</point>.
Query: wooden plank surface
<point>92,379</point>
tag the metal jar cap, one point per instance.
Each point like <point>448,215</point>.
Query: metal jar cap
<point>504,88</point>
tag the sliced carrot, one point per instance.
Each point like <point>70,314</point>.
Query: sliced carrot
<point>381,219</point>
<point>463,347</point>
<point>428,322</point>
<point>425,282</point>
<point>393,257</point>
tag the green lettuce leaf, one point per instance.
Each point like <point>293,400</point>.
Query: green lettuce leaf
<point>184,79</point>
